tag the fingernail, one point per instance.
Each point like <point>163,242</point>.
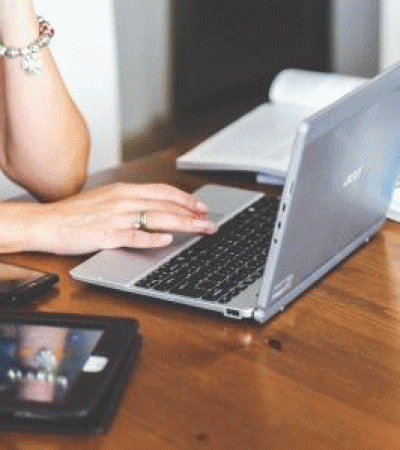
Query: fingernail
<point>213,228</point>
<point>201,207</point>
<point>166,239</point>
<point>204,225</point>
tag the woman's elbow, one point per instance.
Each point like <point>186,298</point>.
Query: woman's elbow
<point>72,180</point>
<point>69,178</point>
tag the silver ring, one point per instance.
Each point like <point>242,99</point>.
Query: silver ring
<point>140,221</point>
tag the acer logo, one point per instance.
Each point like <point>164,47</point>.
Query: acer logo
<point>353,177</point>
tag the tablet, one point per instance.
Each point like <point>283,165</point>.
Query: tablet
<point>58,367</point>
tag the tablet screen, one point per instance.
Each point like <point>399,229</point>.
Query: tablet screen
<point>41,363</point>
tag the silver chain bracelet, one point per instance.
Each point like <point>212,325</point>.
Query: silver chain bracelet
<point>30,59</point>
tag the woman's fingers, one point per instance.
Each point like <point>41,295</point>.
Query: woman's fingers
<point>131,207</point>
<point>161,193</point>
<point>122,198</point>
<point>141,239</point>
<point>167,193</point>
<point>147,220</point>
<point>152,231</point>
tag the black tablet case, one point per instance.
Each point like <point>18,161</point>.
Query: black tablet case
<point>96,423</point>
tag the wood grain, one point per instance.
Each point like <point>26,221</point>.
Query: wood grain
<point>324,374</point>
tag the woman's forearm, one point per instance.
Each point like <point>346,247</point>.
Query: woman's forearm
<point>46,140</point>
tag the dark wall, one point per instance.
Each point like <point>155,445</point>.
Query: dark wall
<point>229,50</point>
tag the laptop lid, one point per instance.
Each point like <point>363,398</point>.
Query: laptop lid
<point>340,182</point>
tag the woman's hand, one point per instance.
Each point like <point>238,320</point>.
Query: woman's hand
<point>105,218</point>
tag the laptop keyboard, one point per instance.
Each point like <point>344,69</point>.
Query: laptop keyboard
<point>218,267</point>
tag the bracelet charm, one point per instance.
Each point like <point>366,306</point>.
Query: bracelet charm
<point>31,64</point>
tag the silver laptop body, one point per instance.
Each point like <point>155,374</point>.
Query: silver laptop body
<point>340,182</point>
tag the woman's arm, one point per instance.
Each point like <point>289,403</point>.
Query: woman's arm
<point>44,141</point>
<point>44,146</point>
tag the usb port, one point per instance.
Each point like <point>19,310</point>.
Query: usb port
<point>233,313</point>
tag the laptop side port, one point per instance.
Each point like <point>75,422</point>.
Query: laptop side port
<point>234,313</point>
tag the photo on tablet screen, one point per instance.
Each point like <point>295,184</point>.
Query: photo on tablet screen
<point>41,363</point>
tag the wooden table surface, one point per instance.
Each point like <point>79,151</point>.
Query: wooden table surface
<point>325,374</point>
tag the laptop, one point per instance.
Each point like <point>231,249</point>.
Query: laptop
<point>340,181</point>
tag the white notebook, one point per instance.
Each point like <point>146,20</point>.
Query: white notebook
<point>261,141</point>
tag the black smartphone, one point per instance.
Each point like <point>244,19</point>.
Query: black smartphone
<point>21,285</point>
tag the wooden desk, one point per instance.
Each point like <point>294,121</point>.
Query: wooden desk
<point>325,374</point>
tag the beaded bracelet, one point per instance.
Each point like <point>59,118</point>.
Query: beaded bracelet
<point>31,62</point>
